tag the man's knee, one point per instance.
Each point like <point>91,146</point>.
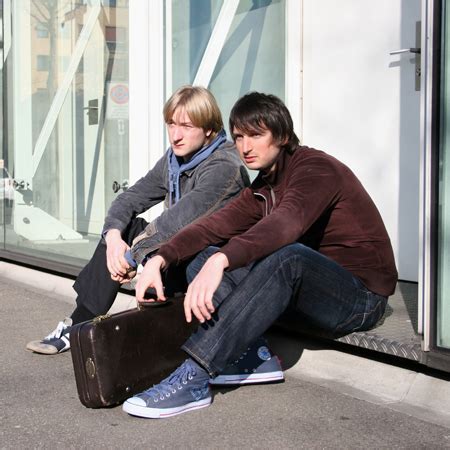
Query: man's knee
<point>287,253</point>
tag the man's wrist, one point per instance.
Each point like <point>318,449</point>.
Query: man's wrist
<point>157,257</point>
<point>146,258</point>
<point>162,261</point>
<point>111,232</point>
<point>221,259</point>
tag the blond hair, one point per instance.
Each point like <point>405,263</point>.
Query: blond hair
<point>199,104</point>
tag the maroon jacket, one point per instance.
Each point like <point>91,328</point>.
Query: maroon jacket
<point>310,198</point>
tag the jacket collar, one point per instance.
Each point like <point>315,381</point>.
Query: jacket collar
<point>276,176</point>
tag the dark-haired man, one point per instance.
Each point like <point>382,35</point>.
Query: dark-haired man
<point>305,235</point>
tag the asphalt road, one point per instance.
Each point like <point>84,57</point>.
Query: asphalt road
<point>40,406</point>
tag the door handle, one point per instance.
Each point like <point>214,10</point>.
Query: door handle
<point>92,111</point>
<point>116,186</point>
<point>20,185</point>
<point>406,50</point>
<point>416,51</point>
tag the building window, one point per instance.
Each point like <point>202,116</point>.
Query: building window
<point>41,31</point>
<point>42,63</point>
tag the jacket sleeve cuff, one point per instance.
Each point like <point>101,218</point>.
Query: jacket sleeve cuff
<point>169,254</point>
<point>235,255</point>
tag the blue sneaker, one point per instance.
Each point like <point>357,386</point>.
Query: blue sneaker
<point>184,390</point>
<point>256,365</point>
<point>56,342</point>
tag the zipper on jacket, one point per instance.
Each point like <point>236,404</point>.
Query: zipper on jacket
<point>272,195</point>
<point>266,203</point>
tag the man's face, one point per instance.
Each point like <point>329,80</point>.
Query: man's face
<point>258,149</point>
<point>185,138</point>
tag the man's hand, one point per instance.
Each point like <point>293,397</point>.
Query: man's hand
<point>115,259</point>
<point>150,277</point>
<point>198,300</point>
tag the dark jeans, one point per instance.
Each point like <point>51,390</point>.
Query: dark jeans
<point>250,299</point>
<point>94,286</point>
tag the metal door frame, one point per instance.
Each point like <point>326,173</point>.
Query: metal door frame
<point>431,69</point>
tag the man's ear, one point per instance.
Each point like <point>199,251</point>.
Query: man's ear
<point>208,133</point>
<point>280,142</point>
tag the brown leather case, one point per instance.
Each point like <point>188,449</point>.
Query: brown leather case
<point>117,356</point>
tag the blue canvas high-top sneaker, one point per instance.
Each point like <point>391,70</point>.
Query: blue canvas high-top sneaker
<point>184,390</point>
<point>256,365</point>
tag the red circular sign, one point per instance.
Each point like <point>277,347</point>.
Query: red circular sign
<point>119,94</point>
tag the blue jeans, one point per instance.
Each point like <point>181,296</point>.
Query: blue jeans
<point>250,299</point>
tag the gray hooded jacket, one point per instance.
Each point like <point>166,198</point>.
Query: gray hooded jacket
<point>204,189</point>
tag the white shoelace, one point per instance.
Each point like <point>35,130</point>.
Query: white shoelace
<point>58,331</point>
<point>171,384</point>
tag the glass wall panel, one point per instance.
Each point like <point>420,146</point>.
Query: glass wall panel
<point>5,179</point>
<point>252,57</point>
<point>443,307</point>
<point>67,130</point>
<point>191,28</point>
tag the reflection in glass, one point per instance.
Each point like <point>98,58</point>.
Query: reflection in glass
<point>67,123</point>
<point>252,58</point>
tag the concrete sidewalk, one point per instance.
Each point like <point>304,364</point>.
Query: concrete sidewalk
<point>330,399</point>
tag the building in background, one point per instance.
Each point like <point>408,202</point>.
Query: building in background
<point>84,82</point>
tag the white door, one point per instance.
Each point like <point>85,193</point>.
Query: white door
<point>361,105</point>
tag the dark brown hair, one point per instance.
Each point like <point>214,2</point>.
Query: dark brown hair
<point>256,111</point>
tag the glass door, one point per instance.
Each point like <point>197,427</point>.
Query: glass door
<point>67,131</point>
<point>443,207</point>
<point>6,189</point>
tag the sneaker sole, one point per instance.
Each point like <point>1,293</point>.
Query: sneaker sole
<point>43,349</point>
<point>252,378</point>
<point>161,413</point>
